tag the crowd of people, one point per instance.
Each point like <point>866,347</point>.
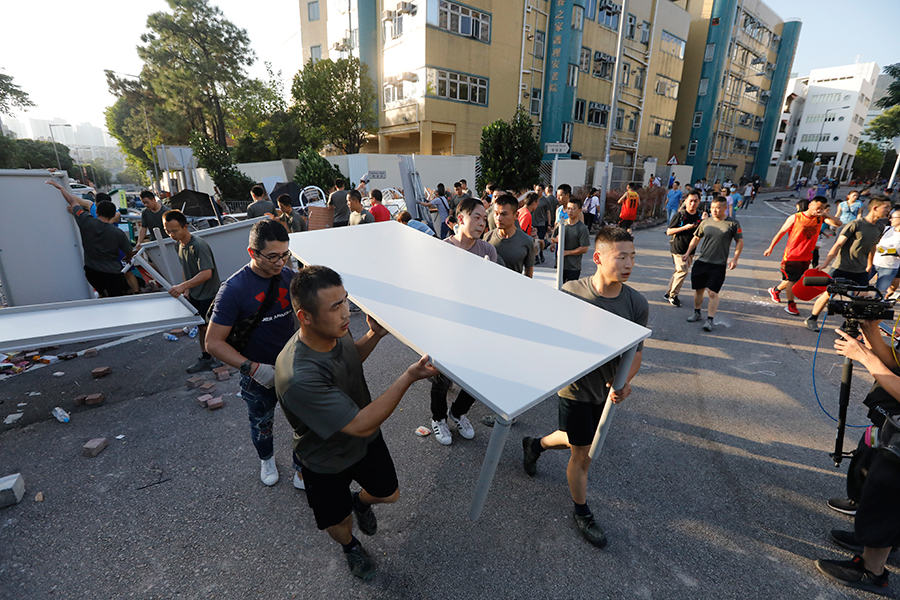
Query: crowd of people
<point>287,331</point>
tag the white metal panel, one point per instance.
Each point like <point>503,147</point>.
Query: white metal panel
<point>68,322</point>
<point>40,245</point>
<point>508,340</point>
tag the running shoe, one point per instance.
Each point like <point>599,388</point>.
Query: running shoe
<point>791,309</point>
<point>853,573</point>
<point>775,295</point>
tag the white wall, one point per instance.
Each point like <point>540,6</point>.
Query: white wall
<point>385,169</point>
<point>257,171</point>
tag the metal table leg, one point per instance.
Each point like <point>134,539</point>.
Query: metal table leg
<point>489,466</point>
<point>608,408</point>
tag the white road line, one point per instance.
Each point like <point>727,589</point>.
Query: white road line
<point>767,203</point>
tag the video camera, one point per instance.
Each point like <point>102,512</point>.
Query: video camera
<point>857,308</point>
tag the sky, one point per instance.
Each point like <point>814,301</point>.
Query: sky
<point>58,54</point>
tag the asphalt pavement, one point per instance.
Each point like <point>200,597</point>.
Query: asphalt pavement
<point>712,483</point>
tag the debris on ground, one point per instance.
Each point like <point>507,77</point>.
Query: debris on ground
<point>39,497</point>
<point>99,372</point>
<point>422,431</point>
<point>60,415</point>
<point>12,489</point>
<point>94,447</point>
<point>215,403</point>
<point>10,419</point>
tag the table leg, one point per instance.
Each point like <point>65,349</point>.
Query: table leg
<point>608,408</point>
<point>489,466</point>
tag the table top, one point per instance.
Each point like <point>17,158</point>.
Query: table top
<point>508,340</point>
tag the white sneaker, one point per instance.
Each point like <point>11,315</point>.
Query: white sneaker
<point>463,425</point>
<point>441,432</point>
<point>268,472</point>
<point>298,481</point>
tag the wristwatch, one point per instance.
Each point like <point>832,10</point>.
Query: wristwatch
<point>246,367</point>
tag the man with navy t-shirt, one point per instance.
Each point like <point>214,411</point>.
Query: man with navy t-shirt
<point>239,299</point>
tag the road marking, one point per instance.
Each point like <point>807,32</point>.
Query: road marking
<point>769,204</point>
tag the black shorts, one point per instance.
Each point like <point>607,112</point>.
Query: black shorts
<point>626,223</point>
<point>571,274</point>
<point>579,420</point>
<point>106,284</point>
<point>877,522</point>
<point>328,494</point>
<point>793,270</point>
<point>708,276</point>
<point>541,231</point>
<point>857,278</point>
<point>202,306</point>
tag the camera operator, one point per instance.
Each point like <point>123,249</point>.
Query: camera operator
<point>877,523</point>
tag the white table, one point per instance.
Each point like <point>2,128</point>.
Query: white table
<point>484,326</point>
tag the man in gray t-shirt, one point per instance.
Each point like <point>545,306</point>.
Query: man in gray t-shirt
<point>338,199</point>
<point>261,204</point>
<point>708,273</point>
<point>581,403</point>
<point>322,390</point>
<point>577,241</point>
<point>358,215</point>
<point>514,246</point>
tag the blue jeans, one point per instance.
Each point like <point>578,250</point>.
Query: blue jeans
<point>261,402</point>
<point>670,212</point>
<point>885,277</point>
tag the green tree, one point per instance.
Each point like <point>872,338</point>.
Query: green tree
<point>892,95</point>
<point>9,152</point>
<point>868,160</point>
<point>336,100</point>
<point>510,154</point>
<point>132,175</point>
<point>234,185</point>
<point>193,56</point>
<point>315,170</point>
<point>38,154</point>
<point>887,165</point>
<point>885,126</point>
<point>805,155</point>
<point>12,96</point>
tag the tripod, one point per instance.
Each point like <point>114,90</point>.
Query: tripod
<point>851,326</point>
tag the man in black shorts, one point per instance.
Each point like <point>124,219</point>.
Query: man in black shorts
<point>322,390</point>
<point>853,250</point>
<point>201,278</point>
<point>708,272</point>
<point>581,403</point>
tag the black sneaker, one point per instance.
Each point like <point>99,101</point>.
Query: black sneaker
<point>360,563</point>
<point>843,505</point>
<point>846,539</point>
<point>853,573</point>
<point>529,456</point>
<point>590,530</point>
<point>204,364</point>
<point>811,324</point>
<point>694,317</point>
<point>365,516</point>
<point>674,301</point>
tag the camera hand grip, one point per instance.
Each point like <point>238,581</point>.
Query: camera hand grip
<point>816,281</point>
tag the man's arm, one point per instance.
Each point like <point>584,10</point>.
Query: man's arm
<point>369,419</point>
<point>691,247</point>
<point>832,221</point>
<point>142,235</point>
<point>367,343</point>
<point>854,350</point>
<point>834,250</point>
<point>576,251</point>
<point>739,247</point>
<point>216,345</point>
<point>616,396</point>
<point>788,223</point>
<point>71,198</point>
<point>875,341</point>
<point>198,279</point>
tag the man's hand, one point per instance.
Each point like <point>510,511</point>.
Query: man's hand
<point>375,327</point>
<point>422,369</point>
<point>55,184</point>
<point>732,264</point>
<point>768,251</point>
<point>264,375</point>
<point>177,290</point>
<point>850,347</point>
<point>685,257</point>
<point>616,396</point>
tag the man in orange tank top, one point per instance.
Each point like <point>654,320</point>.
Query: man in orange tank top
<point>629,201</point>
<point>803,228</point>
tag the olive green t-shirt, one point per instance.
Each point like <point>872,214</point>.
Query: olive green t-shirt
<point>577,236</point>
<point>194,257</point>
<point>861,239</point>
<point>715,239</point>
<point>517,252</point>
<point>320,393</point>
<point>629,304</point>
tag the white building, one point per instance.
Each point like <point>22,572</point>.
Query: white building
<point>791,118</point>
<point>881,85</point>
<point>837,101</point>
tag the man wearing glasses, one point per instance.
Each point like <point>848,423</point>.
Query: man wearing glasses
<point>257,298</point>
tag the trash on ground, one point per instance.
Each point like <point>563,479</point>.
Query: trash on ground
<point>39,497</point>
<point>61,415</point>
<point>10,419</point>
<point>422,431</point>
<point>58,373</point>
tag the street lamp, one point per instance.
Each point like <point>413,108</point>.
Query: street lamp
<point>819,139</point>
<point>51,126</point>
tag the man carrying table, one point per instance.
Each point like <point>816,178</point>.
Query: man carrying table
<point>581,403</point>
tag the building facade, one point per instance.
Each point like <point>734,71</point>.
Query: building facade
<point>737,65</point>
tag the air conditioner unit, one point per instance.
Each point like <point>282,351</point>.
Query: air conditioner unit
<point>406,7</point>
<point>758,61</point>
<point>387,15</point>
<point>765,94</point>
<point>661,87</point>
<point>409,76</point>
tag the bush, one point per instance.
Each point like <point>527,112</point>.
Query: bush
<point>234,185</point>
<point>315,170</point>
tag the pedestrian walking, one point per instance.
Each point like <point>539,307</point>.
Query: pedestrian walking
<point>681,231</point>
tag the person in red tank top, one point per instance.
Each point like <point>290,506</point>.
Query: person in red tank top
<point>803,228</point>
<point>628,213</point>
<point>379,210</point>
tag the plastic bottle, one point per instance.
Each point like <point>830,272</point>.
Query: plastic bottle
<point>61,415</point>
<point>170,337</point>
<point>193,332</point>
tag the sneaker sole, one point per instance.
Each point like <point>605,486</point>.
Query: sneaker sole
<point>796,314</point>
<point>850,512</point>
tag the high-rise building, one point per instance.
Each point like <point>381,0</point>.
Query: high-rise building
<point>88,135</point>
<point>881,86</point>
<point>737,64</point>
<point>445,69</point>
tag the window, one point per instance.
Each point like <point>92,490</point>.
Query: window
<point>598,114</point>
<point>660,127</point>
<point>312,10</point>
<point>535,101</point>
<point>698,119</point>
<point>566,133</point>
<point>640,74</point>
<point>609,17</point>
<point>632,121</point>
<point>538,50</point>
<point>577,18</point>
<point>620,117</point>
<point>315,53</point>
<point>692,148</point>
<point>458,86</point>
<point>578,117</point>
<point>671,44</point>
<point>645,32</point>
<point>701,89</point>
<point>603,65</point>
<point>584,62</point>
<point>630,26</point>
<point>590,9</point>
<point>626,74</point>
<point>668,87</point>
<point>572,79</point>
<point>463,20</point>
<point>397,25</point>
<point>393,92</point>
<point>710,52</point>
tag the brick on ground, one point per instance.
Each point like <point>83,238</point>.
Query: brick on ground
<point>90,352</point>
<point>94,399</point>
<point>209,387</point>
<point>202,400</point>
<point>100,372</point>
<point>94,447</point>
<point>195,381</point>
<point>215,403</point>
<point>12,489</point>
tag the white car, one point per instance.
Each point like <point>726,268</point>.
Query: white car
<point>79,189</point>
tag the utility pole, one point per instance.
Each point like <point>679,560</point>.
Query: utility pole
<point>606,181</point>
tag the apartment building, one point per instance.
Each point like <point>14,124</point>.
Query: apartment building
<point>737,65</point>
<point>445,69</point>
